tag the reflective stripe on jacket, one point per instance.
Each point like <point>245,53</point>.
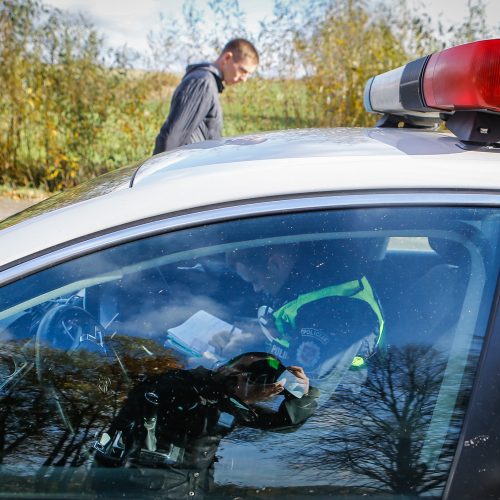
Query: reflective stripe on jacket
<point>286,316</point>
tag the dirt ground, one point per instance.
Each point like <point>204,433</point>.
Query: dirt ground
<point>9,206</point>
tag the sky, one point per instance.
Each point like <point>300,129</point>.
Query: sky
<point>127,22</point>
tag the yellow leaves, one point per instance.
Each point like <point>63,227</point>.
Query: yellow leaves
<point>341,52</point>
<point>126,128</point>
<point>53,173</point>
<point>72,118</point>
<point>63,171</point>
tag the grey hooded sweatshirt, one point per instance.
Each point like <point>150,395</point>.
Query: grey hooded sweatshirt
<point>195,111</point>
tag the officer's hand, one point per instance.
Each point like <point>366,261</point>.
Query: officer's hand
<point>228,345</point>
<point>253,393</point>
<point>298,371</point>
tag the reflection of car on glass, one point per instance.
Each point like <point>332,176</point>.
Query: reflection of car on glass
<point>359,267</point>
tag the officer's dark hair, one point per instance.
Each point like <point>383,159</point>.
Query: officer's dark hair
<point>242,50</point>
<point>257,257</point>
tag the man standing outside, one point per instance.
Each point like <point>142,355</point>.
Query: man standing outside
<point>195,111</point>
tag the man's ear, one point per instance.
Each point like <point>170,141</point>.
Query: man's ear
<point>227,56</point>
<point>281,264</point>
<point>276,262</point>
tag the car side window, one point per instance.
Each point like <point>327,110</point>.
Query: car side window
<point>317,353</point>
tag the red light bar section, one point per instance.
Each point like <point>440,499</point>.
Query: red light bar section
<point>464,77</point>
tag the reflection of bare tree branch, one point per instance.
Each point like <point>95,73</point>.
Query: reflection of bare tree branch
<point>375,438</point>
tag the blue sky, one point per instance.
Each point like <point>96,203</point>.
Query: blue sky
<point>129,21</point>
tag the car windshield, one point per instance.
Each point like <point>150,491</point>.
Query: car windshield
<point>318,353</point>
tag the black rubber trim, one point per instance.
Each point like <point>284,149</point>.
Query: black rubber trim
<point>477,127</point>
<point>411,92</point>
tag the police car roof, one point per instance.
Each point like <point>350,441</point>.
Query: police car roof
<point>257,167</point>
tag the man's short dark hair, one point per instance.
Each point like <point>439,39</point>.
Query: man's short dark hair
<point>242,49</point>
<point>257,257</point>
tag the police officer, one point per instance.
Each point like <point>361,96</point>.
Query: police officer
<point>312,316</point>
<point>164,440</point>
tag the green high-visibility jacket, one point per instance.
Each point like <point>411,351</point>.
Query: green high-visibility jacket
<point>286,316</point>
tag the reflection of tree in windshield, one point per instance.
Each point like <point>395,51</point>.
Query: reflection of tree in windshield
<point>376,439</point>
<point>47,426</point>
<point>358,442</point>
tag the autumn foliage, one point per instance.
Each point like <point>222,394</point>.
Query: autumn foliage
<point>70,109</point>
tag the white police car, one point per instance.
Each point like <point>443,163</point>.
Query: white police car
<point>100,288</point>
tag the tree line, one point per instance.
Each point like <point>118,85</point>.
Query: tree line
<point>72,108</point>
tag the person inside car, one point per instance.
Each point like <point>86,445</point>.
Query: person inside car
<point>312,316</point>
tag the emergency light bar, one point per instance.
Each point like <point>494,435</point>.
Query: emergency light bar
<point>460,85</point>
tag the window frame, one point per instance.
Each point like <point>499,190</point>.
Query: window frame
<point>463,479</point>
<point>245,209</point>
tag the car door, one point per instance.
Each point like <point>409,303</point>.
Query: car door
<point>94,333</point>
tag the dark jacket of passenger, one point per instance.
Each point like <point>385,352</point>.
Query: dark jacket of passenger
<point>195,111</point>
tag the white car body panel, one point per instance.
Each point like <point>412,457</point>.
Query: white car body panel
<point>221,173</point>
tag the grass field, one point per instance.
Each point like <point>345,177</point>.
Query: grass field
<point>262,105</point>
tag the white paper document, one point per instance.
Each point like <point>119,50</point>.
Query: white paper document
<point>192,336</point>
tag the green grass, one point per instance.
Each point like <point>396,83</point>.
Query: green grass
<point>261,105</point>
<point>128,131</point>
